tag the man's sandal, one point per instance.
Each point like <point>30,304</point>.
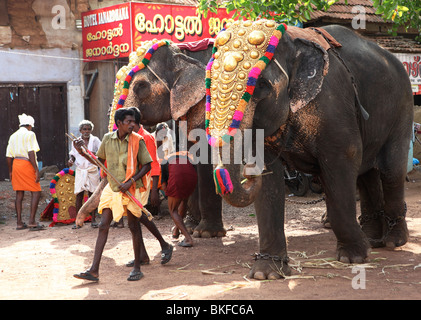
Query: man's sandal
<point>166,255</point>
<point>86,276</point>
<point>135,276</point>
<point>38,227</point>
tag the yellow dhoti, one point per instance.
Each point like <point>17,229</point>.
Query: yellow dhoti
<point>119,203</point>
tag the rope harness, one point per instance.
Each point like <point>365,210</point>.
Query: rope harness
<point>154,73</point>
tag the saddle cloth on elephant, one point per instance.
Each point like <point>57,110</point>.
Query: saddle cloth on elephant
<point>196,45</point>
<point>317,35</point>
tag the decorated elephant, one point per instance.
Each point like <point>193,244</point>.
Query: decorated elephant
<point>167,84</point>
<point>330,103</point>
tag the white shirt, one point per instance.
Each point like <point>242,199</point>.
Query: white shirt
<point>81,162</point>
<point>167,144</point>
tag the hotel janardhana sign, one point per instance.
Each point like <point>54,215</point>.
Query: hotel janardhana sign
<point>412,65</point>
<point>114,32</point>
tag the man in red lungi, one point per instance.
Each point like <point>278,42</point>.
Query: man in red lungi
<point>23,169</point>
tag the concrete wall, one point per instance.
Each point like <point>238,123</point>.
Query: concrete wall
<point>46,66</point>
<point>40,43</point>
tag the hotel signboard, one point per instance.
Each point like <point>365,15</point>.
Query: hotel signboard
<point>412,65</point>
<point>115,31</point>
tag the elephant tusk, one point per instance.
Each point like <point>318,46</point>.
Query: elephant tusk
<point>258,175</point>
<point>282,69</point>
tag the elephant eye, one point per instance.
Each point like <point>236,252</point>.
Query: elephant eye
<point>263,83</point>
<point>141,88</point>
<point>263,88</point>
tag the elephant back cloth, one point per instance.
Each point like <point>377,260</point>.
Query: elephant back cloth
<point>196,45</point>
<point>317,35</point>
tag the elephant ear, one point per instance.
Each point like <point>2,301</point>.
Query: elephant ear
<point>310,67</point>
<point>189,85</point>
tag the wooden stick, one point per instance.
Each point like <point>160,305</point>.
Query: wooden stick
<point>101,165</point>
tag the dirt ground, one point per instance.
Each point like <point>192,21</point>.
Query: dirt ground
<point>40,265</point>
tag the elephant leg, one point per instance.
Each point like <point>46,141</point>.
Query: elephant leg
<point>210,204</point>
<point>339,185</point>
<point>372,206</point>
<point>271,261</point>
<point>393,173</point>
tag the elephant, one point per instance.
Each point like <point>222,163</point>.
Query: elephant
<point>328,102</point>
<point>171,87</point>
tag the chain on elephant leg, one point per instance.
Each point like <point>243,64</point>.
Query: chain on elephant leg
<point>372,226</point>
<point>191,223</point>
<point>269,267</point>
<point>396,233</point>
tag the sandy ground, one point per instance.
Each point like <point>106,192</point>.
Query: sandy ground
<point>40,265</point>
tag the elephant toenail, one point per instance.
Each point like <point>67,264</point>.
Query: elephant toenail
<point>206,234</point>
<point>259,276</point>
<point>274,276</point>
<point>390,245</point>
<point>344,259</point>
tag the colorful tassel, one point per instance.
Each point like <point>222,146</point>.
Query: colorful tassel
<point>222,180</point>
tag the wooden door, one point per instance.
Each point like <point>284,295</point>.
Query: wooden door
<point>47,103</point>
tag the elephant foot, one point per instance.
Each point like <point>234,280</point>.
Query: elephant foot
<point>397,233</point>
<point>325,221</point>
<point>190,224</point>
<point>383,231</point>
<point>205,230</point>
<point>353,253</point>
<point>372,226</point>
<point>269,267</point>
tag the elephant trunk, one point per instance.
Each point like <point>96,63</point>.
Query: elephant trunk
<point>91,204</point>
<point>246,179</point>
<point>243,194</point>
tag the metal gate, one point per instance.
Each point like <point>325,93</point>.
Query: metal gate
<point>47,103</point>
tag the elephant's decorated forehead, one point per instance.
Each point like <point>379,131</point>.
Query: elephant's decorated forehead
<point>241,52</point>
<point>138,60</point>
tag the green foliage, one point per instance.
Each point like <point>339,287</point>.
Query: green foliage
<point>404,13</point>
<point>288,11</point>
